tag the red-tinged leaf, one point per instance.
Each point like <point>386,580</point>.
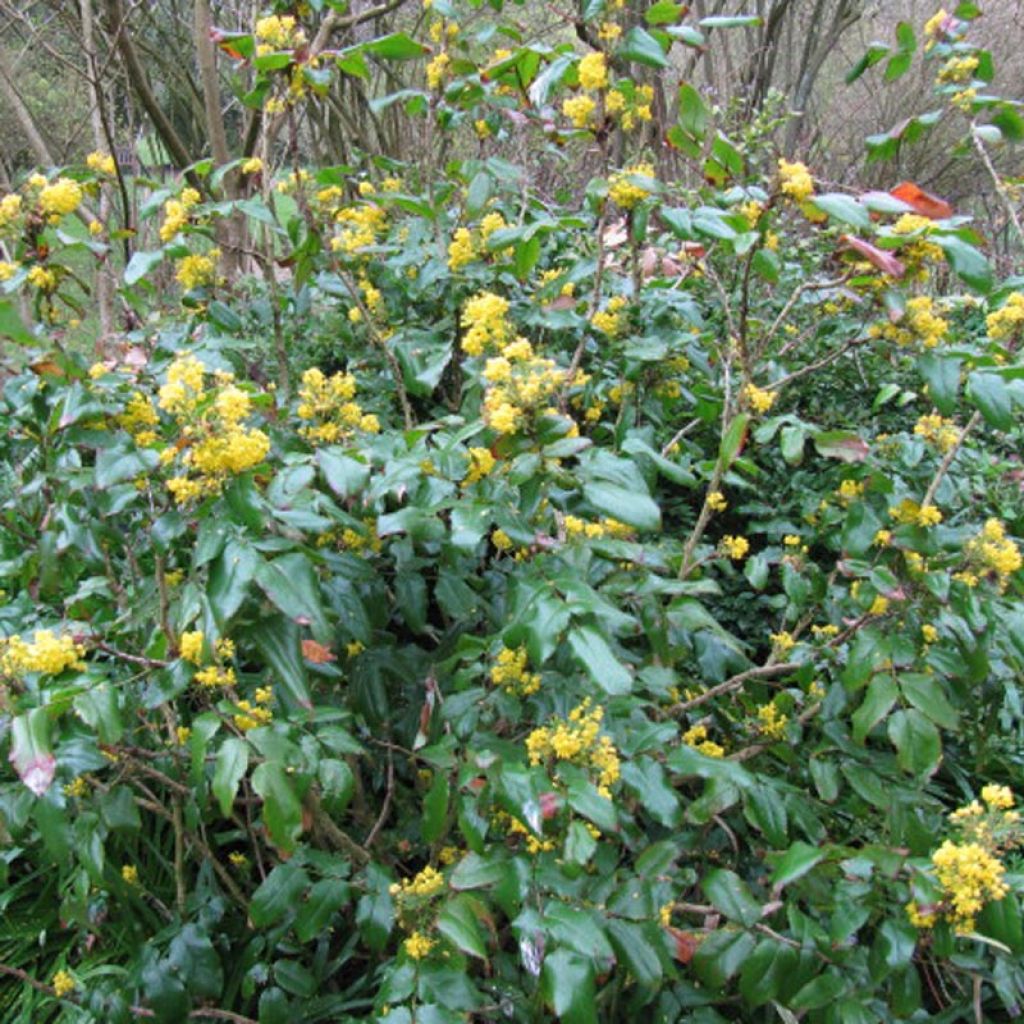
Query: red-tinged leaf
<point>685,944</point>
<point>879,258</point>
<point>549,804</point>
<point>694,250</point>
<point>31,753</point>
<point>923,202</point>
<point>841,444</point>
<point>317,653</point>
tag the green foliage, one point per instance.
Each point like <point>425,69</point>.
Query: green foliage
<point>611,626</point>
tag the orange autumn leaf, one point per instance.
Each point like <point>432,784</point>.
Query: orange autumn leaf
<point>317,653</point>
<point>685,943</point>
<point>923,202</point>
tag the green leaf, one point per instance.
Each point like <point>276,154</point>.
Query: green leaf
<point>766,971</point>
<point>11,326</point>
<point>375,913</point>
<point>459,922</point>
<point>599,660</point>
<point>123,462</point>
<point>478,872</point>
<point>278,894</point>
<point>567,984</point>
<point>478,193</point>
<point>729,893</point>
<point>228,772</point>
<point>290,583</point>
<point>875,52</point>
<point>435,808</point>
<point>141,264</point>
<point>967,262</point>
<point>282,811</point>
<point>578,930</point>
<point>396,46</point>
<point>926,694</point>
<point>230,576</point>
<point>646,780</point>
<point>841,444</point>
<point>819,992</point>
<point>989,393</point>
<point>794,863</point>
<point>634,946</point>
<point>31,752</point>
<point>844,208</point>
<point>314,914</point>
<point>943,376</point>
<point>278,640</point>
<point>917,742</point>
<point>346,476</point>
<point>764,809</point>
<point>878,701</point>
<point>733,440</point>
<point>639,45</point>
<point>664,12</point>
<point>634,509</point>
<point>579,844</point>
<point>730,21</point>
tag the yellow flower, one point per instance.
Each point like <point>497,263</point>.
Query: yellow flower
<point>759,399</point>
<point>460,250</point>
<point>879,606</point>
<point>60,198</point>
<point>418,945</point>
<point>625,191</point>
<point>510,672</point>
<point>102,163</point>
<point>929,633</point>
<point>771,722</point>
<point>735,547</point>
<point>716,501</point>
<point>436,70</point>
<point>998,798</point>
<point>182,734</point>
<point>251,716</point>
<point>190,646</point>
<point>252,166</point>
<point>48,654</point>
<point>795,180</point>
<point>970,876</point>
<point>783,641</point>
<point>593,71</point>
<point>197,270</point>
<point>579,110</point>
<point>484,323</point>
<point>130,874</point>
<point>63,984</point>
<point>77,787</point>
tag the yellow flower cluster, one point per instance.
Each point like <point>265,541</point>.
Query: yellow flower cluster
<point>1006,321</point>
<point>611,319</point>
<point>943,433</point>
<point>252,166</point>
<point>970,876</point>
<point>735,548</point>
<point>716,501</point>
<point>782,641</point>
<point>697,737</point>
<point>481,462</point>
<point>101,163</point>
<point>76,788</point>
<point>7,270</point>
<point>759,399</point>
<point>177,213</point>
<point>60,197</point>
<point>437,69</point>
<point>911,513</point>
<point>619,106</point>
<point>958,69</point>
<point>579,109</point>
<point>47,653</point>
<point>10,209</point>
<point>578,739</point>
<point>517,380</point>
<point>217,444</point>
<point>933,26</point>
<point>484,324</point>
<point>63,984</point>
<point>627,187</point>
<point>361,226</point>
<point>593,71</point>
<point>795,180</point>
<point>130,874</point>
<point>138,418</point>
<point>327,405</point>
<point>42,278</point>
<point>197,270</point>
<point>922,320</point>
<point>510,672</point>
<point>428,883</point>
<point>460,249</point>
<point>992,551</point>
<point>255,715</point>
<point>418,945</point>
<point>849,491</point>
<point>576,527</point>
<point>279,31</point>
<point>771,722</point>
<point>190,646</point>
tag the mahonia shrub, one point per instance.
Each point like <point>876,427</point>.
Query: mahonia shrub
<point>623,619</point>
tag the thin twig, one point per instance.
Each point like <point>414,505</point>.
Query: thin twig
<point>385,808</point>
<point>734,683</point>
<point>948,460</point>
